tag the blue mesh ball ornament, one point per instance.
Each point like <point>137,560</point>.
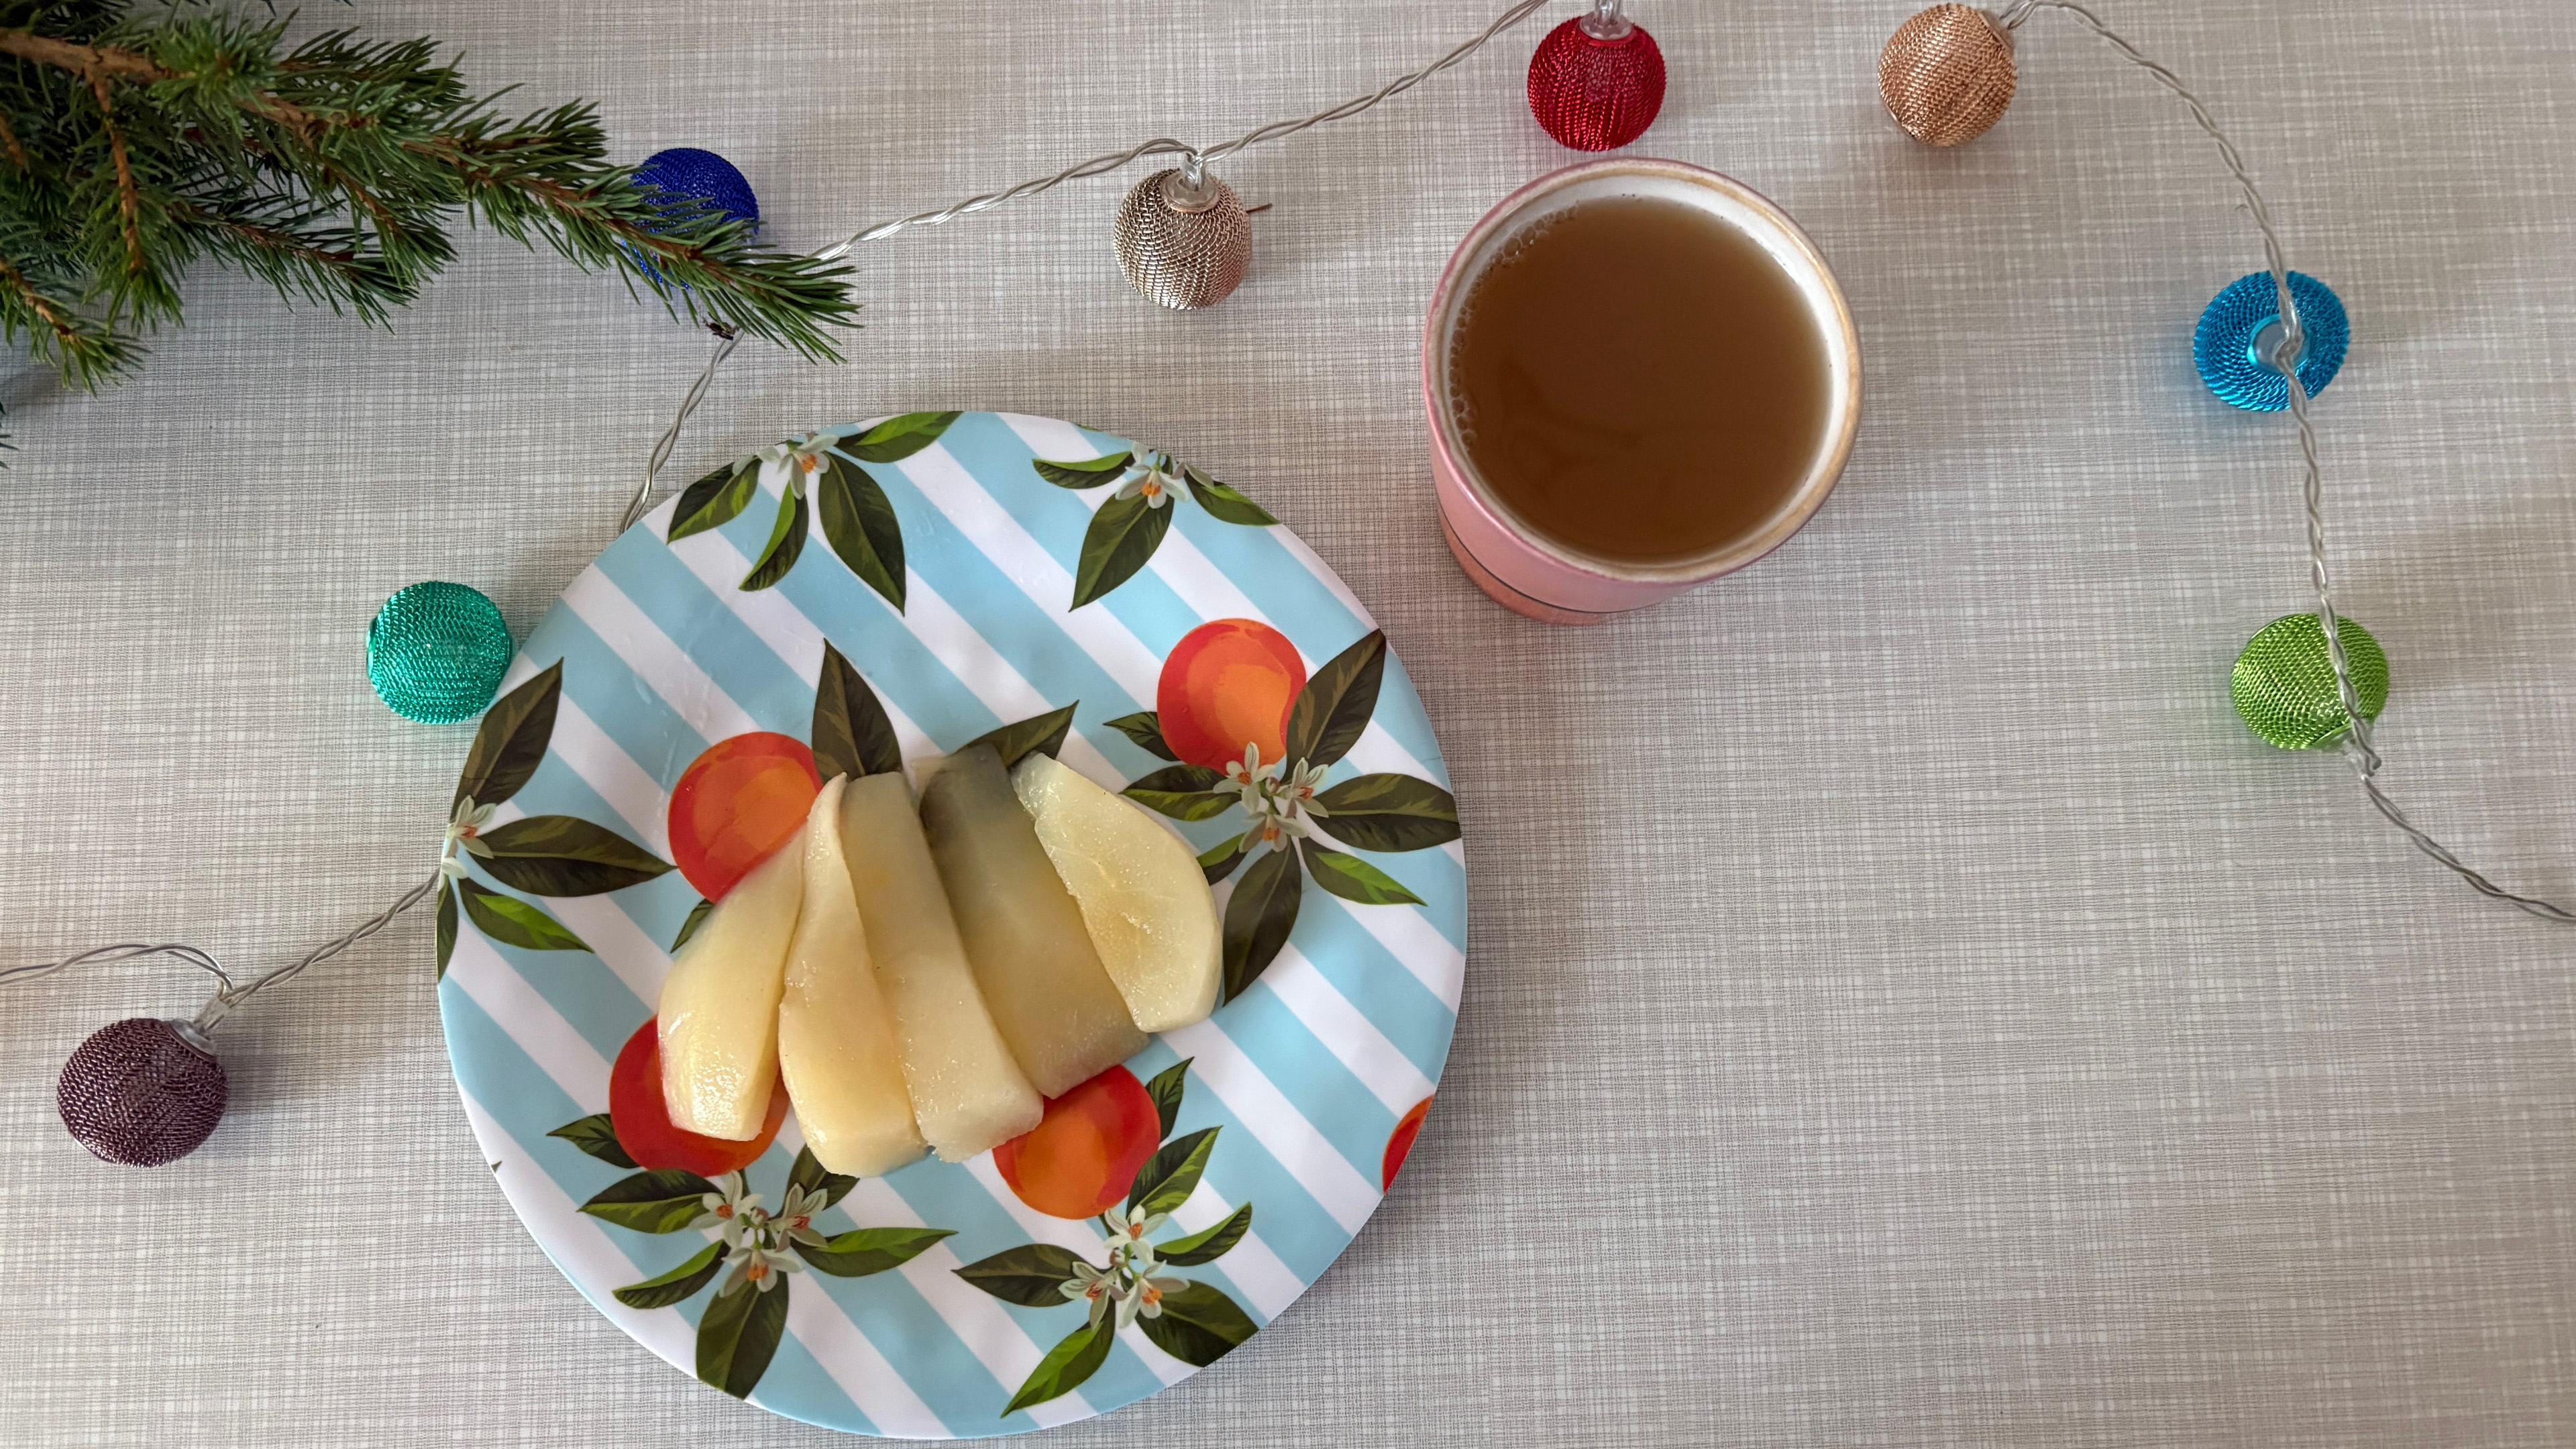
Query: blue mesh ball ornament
<point>436,652</point>
<point>702,176</point>
<point>2237,332</point>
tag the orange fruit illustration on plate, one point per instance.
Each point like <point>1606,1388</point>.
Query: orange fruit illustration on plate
<point>1079,1161</point>
<point>642,1120</point>
<point>745,797</point>
<point>1229,683</point>
<point>1399,1143</point>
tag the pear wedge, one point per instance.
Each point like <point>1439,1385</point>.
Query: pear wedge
<point>1144,898</point>
<point>1049,994</point>
<point>719,1009</point>
<point>836,1047</point>
<point>968,1095</point>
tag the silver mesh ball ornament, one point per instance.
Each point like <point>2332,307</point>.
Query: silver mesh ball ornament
<point>1184,246</point>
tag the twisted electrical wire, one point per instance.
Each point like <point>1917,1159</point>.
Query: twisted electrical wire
<point>2356,746</point>
<point>1193,160</point>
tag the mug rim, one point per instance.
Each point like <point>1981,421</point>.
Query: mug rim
<point>1805,497</point>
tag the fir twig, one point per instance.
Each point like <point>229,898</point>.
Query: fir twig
<point>331,170</point>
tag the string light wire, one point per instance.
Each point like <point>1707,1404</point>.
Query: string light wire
<point>2355,746</point>
<point>1194,160</point>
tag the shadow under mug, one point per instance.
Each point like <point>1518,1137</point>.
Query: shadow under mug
<point>1531,573</point>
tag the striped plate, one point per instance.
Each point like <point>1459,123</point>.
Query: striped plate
<point>978,531</point>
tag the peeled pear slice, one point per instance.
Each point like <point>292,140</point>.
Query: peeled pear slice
<point>836,1048</point>
<point>968,1095</point>
<point>1024,935</point>
<point>719,1011</point>
<point>1143,896</point>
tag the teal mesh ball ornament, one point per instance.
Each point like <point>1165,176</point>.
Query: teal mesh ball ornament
<point>436,652</point>
<point>2232,346</point>
<point>2284,684</point>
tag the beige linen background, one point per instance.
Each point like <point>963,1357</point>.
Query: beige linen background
<point>1905,1006</point>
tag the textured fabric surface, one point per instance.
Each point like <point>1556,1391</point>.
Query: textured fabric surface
<point>1905,1007</point>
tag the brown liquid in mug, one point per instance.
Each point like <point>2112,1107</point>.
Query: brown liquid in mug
<point>1638,379</point>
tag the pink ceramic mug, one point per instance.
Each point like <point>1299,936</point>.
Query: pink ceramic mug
<point>1530,573</point>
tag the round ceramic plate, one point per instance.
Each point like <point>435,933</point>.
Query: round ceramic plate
<point>864,599</point>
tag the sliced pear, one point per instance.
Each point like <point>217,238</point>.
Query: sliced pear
<point>1143,896</point>
<point>968,1095</point>
<point>719,1011</point>
<point>1024,935</point>
<point>836,1048</point>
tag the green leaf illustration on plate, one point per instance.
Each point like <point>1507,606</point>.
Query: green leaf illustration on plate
<point>1166,1089</point>
<point>1223,503</point>
<point>1354,879</point>
<point>664,1200</point>
<point>1259,917</point>
<point>689,927</point>
<point>1066,1365</point>
<point>1220,859</point>
<point>859,524</point>
<point>1084,472</point>
<point>446,930</point>
<point>1207,1247</point>
<point>715,500</point>
<point>1040,734</point>
<point>1184,792</point>
<point>514,922</point>
<point>561,855</point>
<point>786,543</point>
<point>511,740</point>
<point>1388,813</point>
<point>1030,1276</point>
<point>596,1135</point>
<point>861,1251</point>
<point>756,1246</point>
<point>897,438</point>
<point>739,1334</point>
<point>852,735</point>
<point>1146,729</point>
<point>678,1284</point>
<point>1122,538</point>
<point>1130,1286</point>
<point>1333,710</point>
<point>1198,1325</point>
<point>808,1174</point>
<point>1169,1176</point>
<point>1130,525</point>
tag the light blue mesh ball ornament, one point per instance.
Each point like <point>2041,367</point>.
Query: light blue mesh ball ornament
<point>436,652</point>
<point>2232,346</point>
<point>691,176</point>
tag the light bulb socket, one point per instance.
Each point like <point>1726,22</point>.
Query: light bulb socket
<point>1189,195</point>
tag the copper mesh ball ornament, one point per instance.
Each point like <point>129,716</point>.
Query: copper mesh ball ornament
<point>1947,74</point>
<point>142,1091</point>
<point>1184,245</point>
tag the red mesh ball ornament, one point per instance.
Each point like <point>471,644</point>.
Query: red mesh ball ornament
<point>142,1092</point>
<point>1597,80</point>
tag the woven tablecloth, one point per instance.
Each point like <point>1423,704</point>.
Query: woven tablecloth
<point>1905,1005</point>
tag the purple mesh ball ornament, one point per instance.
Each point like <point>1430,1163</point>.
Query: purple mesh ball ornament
<point>703,178</point>
<point>142,1091</point>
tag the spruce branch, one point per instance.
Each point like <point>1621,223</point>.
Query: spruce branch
<point>333,169</point>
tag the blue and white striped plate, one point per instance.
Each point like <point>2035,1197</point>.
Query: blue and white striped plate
<point>1315,1073</point>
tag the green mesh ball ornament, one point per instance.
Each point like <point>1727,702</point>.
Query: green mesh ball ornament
<point>2284,684</point>
<point>436,652</point>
